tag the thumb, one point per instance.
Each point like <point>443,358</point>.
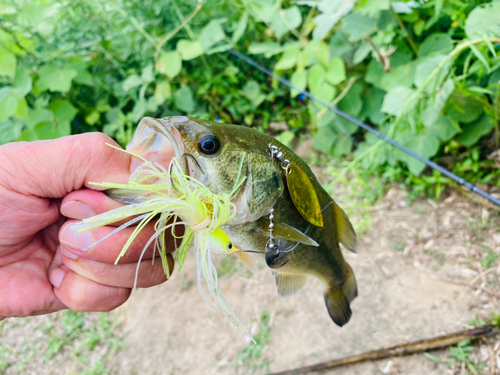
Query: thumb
<point>53,168</point>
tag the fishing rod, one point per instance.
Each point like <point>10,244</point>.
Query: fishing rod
<point>368,128</point>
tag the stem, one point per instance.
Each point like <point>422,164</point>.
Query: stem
<point>308,19</point>
<point>409,39</point>
<point>136,24</point>
<point>340,97</point>
<point>171,34</point>
<point>496,106</point>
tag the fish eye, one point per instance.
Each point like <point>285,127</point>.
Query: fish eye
<point>208,144</point>
<point>230,246</point>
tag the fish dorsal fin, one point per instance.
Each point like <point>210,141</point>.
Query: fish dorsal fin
<point>286,232</point>
<point>304,195</point>
<point>345,231</point>
<point>248,260</point>
<point>289,283</point>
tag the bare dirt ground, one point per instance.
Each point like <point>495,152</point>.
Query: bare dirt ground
<point>422,270</point>
<point>419,275</point>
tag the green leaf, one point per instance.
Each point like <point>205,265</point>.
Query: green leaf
<point>131,81</point>
<point>336,71</point>
<point>323,54</point>
<point>352,102</point>
<point>318,85</point>
<point>8,103</point>
<point>252,93</point>
<point>63,111</point>
<point>49,130</point>
<point>22,108</point>
<point>240,28</point>
<point>372,7</point>
<point>483,21</point>
<point>286,20</point>
<point>373,105</point>
<point>471,133</point>
<point>443,129</point>
<point>140,108</point>
<point>358,25</point>
<point>53,78</point>
<point>183,99</point>
<point>332,10</point>
<point>83,77</point>
<point>288,60</point>
<point>8,63</point>
<point>39,116</point>
<point>169,63</point>
<point>10,131</point>
<point>323,140</point>
<point>465,109</point>
<point>480,57</point>
<point>147,74</point>
<point>425,143</point>
<point>339,45</point>
<point>92,117</point>
<point>189,49</point>
<point>286,137</point>
<point>211,34</point>
<point>22,82</point>
<point>342,146</point>
<point>298,79</point>
<point>395,100</point>
<point>403,75</point>
<point>163,92</point>
<point>363,50</point>
<point>425,67</point>
<point>435,44</point>
<point>436,104</point>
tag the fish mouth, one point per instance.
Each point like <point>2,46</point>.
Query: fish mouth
<point>158,141</point>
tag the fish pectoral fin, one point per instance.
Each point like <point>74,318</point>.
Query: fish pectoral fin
<point>346,234</point>
<point>289,283</point>
<point>249,260</point>
<point>286,232</point>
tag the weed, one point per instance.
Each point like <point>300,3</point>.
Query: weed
<point>186,283</point>
<point>461,357</point>
<point>229,265</point>
<point>251,356</point>
<point>490,258</point>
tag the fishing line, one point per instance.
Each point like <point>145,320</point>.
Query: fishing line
<point>368,128</point>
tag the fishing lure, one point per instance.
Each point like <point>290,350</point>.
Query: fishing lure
<point>177,199</point>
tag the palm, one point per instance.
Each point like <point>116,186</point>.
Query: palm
<point>29,240</point>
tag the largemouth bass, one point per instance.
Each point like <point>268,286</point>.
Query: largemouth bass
<point>280,199</point>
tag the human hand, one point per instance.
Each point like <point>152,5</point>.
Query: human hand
<point>43,267</point>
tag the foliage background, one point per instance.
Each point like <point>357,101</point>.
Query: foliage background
<point>424,72</point>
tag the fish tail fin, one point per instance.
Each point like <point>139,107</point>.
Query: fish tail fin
<point>338,300</point>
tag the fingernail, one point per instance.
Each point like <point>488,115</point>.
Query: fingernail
<point>68,254</point>
<point>56,277</point>
<point>73,240</point>
<point>77,210</point>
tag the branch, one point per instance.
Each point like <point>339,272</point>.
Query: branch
<point>400,350</point>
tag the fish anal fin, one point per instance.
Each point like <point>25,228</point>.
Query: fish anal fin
<point>289,283</point>
<point>345,231</point>
<point>248,260</point>
<point>286,232</point>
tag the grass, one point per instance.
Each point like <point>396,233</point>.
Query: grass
<point>65,342</point>
<point>250,357</point>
